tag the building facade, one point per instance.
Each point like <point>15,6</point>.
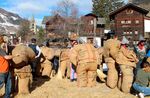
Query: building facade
<point>55,26</point>
<point>92,25</point>
<point>129,21</point>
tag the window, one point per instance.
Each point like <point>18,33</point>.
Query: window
<point>122,22</point>
<point>130,32</point>
<point>124,33</point>
<point>126,22</point>
<point>136,32</point>
<point>129,21</point>
<point>92,22</point>
<point>137,21</point>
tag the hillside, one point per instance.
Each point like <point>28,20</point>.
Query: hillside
<point>9,22</point>
<point>143,3</point>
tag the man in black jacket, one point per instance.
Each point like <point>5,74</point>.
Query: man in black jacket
<point>37,51</point>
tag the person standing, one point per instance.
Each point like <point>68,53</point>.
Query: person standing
<point>37,51</point>
<point>140,49</point>
<point>5,75</point>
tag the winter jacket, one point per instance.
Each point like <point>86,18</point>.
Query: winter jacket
<point>140,53</point>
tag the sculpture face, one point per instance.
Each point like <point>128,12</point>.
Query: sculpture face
<point>19,58</point>
<point>19,55</point>
<point>22,54</point>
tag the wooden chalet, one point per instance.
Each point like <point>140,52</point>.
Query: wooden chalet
<point>92,26</point>
<point>54,25</point>
<point>129,21</point>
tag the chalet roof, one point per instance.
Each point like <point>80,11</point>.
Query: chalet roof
<point>91,14</point>
<point>51,19</point>
<point>55,18</point>
<point>129,5</point>
<point>46,19</point>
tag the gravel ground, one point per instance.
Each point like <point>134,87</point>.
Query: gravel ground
<point>56,88</point>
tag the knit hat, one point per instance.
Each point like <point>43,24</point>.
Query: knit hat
<point>124,40</point>
<point>141,38</point>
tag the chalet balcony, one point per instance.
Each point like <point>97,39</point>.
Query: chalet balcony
<point>91,34</point>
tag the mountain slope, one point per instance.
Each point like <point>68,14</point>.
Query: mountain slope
<point>9,22</point>
<point>143,3</point>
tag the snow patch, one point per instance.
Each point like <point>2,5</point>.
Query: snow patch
<point>14,18</point>
<point>6,22</point>
<point>9,24</point>
<point>3,16</point>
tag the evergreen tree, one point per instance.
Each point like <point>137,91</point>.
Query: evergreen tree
<point>98,7</point>
<point>40,35</point>
<point>102,8</point>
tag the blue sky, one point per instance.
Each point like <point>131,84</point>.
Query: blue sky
<point>40,8</point>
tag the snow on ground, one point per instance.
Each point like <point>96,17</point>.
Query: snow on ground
<point>14,18</point>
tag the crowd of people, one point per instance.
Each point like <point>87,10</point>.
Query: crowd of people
<point>8,71</point>
<point>128,69</point>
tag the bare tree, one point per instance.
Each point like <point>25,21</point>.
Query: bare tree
<point>23,30</point>
<point>68,10</point>
<point>65,8</point>
<point>74,12</point>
